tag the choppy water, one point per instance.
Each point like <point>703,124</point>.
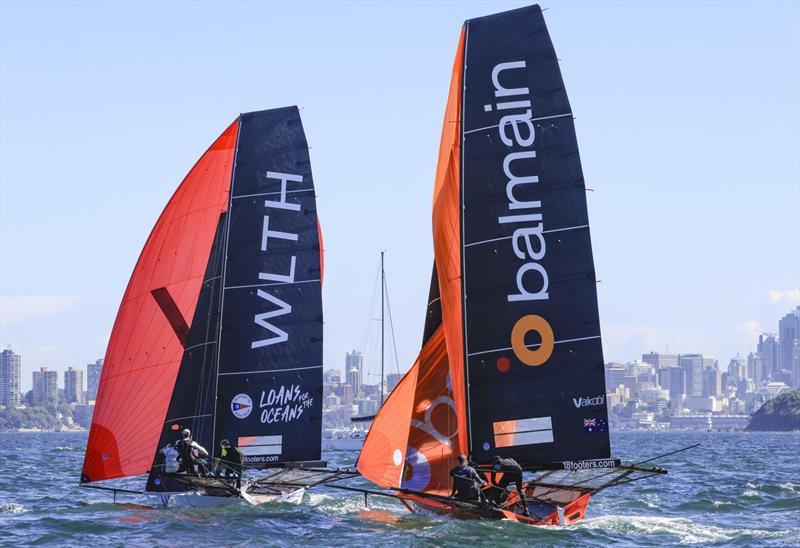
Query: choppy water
<point>736,489</point>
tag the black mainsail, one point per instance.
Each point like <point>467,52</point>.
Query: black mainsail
<point>534,359</point>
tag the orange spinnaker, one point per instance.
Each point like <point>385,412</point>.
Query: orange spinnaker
<point>144,353</point>
<point>414,439</point>
<point>447,239</point>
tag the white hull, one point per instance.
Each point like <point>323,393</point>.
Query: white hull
<point>196,500</point>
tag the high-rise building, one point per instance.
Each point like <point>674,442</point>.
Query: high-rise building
<point>692,365</point>
<point>768,349</point>
<point>333,376</point>
<point>660,360</point>
<point>643,371</point>
<point>10,374</point>
<point>45,387</point>
<point>73,386</point>
<point>755,368</point>
<point>737,370</point>
<point>674,380</point>
<point>788,338</point>
<point>353,370</point>
<point>615,376</point>
<point>392,380</point>
<point>93,373</point>
<point>796,366</point>
<point>712,382</point>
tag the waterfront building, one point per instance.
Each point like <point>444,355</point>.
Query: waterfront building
<point>705,403</point>
<point>73,386</point>
<point>45,387</point>
<point>83,414</point>
<point>93,373</point>
<point>366,407</point>
<point>10,376</point>
<point>772,390</point>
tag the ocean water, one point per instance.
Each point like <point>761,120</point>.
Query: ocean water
<point>737,489</point>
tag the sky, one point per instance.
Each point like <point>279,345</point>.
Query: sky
<point>688,122</point>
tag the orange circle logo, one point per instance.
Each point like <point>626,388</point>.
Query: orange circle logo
<point>525,325</point>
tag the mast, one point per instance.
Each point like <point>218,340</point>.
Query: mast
<point>383,328</point>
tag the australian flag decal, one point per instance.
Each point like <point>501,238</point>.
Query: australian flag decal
<point>595,425</point>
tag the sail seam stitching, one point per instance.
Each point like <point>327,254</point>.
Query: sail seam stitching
<point>270,370</point>
<point>196,345</point>
<point>188,417</point>
<point>534,345</point>
<point>543,232</point>
<point>530,120</point>
<point>272,284</point>
<point>273,193</point>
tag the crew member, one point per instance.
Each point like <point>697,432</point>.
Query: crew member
<point>190,452</point>
<point>467,482</point>
<point>512,473</point>
<point>231,461</point>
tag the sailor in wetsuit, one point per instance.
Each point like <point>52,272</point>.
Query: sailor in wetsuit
<point>512,473</point>
<point>190,452</point>
<point>466,482</point>
<point>231,462</point>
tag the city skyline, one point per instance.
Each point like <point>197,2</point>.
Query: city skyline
<point>695,235</point>
<point>355,356</point>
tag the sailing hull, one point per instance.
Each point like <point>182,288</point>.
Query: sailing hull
<point>572,512</point>
<point>291,497</point>
<point>199,500</point>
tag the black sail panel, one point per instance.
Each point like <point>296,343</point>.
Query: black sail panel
<point>269,384</point>
<point>536,389</point>
<point>192,403</point>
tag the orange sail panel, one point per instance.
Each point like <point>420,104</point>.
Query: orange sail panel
<point>447,240</point>
<point>382,455</point>
<point>414,439</point>
<point>145,348</point>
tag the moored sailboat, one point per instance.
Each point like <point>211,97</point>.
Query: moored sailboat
<point>220,329</point>
<point>511,363</point>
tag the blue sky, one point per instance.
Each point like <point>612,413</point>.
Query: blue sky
<point>688,120</point>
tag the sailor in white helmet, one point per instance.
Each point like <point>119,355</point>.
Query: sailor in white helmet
<point>190,452</point>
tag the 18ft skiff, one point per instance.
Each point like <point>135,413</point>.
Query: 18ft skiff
<point>220,328</point>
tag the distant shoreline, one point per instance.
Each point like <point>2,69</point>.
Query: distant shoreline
<point>36,431</point>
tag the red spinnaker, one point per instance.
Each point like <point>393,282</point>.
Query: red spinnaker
<point>144,352</point>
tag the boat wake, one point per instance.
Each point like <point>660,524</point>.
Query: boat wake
<point>679,530</point>
<point>11,508</point>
